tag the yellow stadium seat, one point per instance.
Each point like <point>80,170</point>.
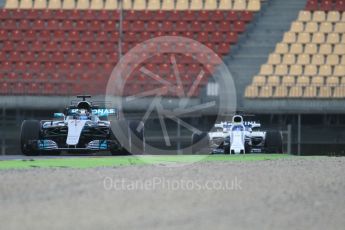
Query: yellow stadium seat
<point>289,59</point>
<point>325,49</point>
<point>139,5</point>
<point>339,92</point>
<point>310,70</point>
<point>339,71</point>
<point>210,5</point>
<point>340,28</point>
<point>266,69</point>
<point>310,91</point>
<point>251,91</point>
<point>254,5</point>
<point>182,5</point>
<point>333,16</point>
<point>168,5</point>
<point>281,91</point>
<point>325,70</point>
<point>83,4</point>
<point>319,16</point>
<point>240,5</point>
<point>281,48</point>
<point>289,37</point>
<point>295,91</point>
<point>303,38</point>
<point>318,38</point>
<point>127,4</point>
<point>326,27</point>
<point>318,80</point>
<point>111,5</point>
<point>281,70</point>
<point>310,49</point>
<point>332,59</point>
<point>26,4</point>
<point>342,80</point>
<point>303,80</point>
<point>68,4</point>
<point>342,39</point>
<point>11,4</point>
<point>196,5</point>
<point>259,80</point>
<point>332,80</point>
<point>225,5</point>
<point>296,70</point>
<point>297,27</point>
<point>303,59</point>
<point>311,27</point>
<point>339,49</point>
<point>296,48</point>
<point>266,91</point>
<point>40,4</point>
<point>325,92</point>
<point>304,16</point>
<point>333,38</point>
<point>54,4</point>
<point>274,59</point>
<point>154,5</point>
<point>97,4</point>
<point>273,80</point>
<point>288,80</point>
<point>343,17</point>
<point>318,59</point>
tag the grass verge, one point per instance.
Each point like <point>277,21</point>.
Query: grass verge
<point>91,162</point>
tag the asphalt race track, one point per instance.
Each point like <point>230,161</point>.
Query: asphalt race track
<point>290,193</point>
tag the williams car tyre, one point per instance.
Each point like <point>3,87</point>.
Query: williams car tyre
<point>30,131</point>
<point>200,143</point>
<point>273,142</point>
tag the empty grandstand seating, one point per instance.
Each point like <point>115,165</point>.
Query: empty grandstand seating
<point>77,41</point>
<point>308,62</point>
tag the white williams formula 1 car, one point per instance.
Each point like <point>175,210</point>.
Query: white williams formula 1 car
<point>236,137</point>
<point>84,127</point>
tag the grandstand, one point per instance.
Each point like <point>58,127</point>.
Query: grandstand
<point>287,58</point>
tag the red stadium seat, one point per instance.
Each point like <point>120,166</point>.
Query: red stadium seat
<point>126,25</point>
<point>77,15</point>
<point>224,26</point>
<point>4,88</point>
<point>246,16</point>
<point>64,68</point>
<point>223,48</point>
<point>216,37</point>
<point>202,37</point>
<point>78,68</point>
<point>100,58</point>
<point>239,27</point>
<point>35,67</point>
<point>340,5</point>
<point>66,25</point>
<point>137,25</point>
<point>51,46</point>
<point>181,26</point>
<point>188,15</point>
<point>216,15</point>
<point>86,57</point>
<point>161,15</point>
<point>14,56</point>
<point>12,77</point>
<point>87,36</point>
<point>152,26</point>
<point>204,15</point>
<point>42,57</point>
<point>144,36</point>
<point>94,47</point>
<point>2,56</point>
<point>70,77</point>
<point>18,14</point>
<point>9,24</point>
<point>20,67</point>
<point>55,77</point>
<point>104,15</point>
<point>81,25</point>
<point>65,46</point>
<point>28,56</point>
<point>18,88</point>
<point>16,35</point>
<point>45,14</point>
<point>38,25</point>
<point>71,57</point>
<point>43,35</point>
<point>4,14</point>
<point>174,16</point>
<point>57,57</point>
<point>209,26</point>
<point>52,25</point>
<point>30,35</point>
<point>27,76</point>
<point>312,5</point>
<point>131,15</point>
<point>24,24</point>
<point>79,46</point>
<point>3,35</point>
<point>102,36</point>
<point>195,26</point>
<point>61,14</point>
<point>6,66</point>
<point>130,36</point>
<point>231,16</point>
<point>33,14</point>
<point>7,46</point>
<point>114,36</point>
<point>58,35</point>
<point>48,88</point>
<point>167,26</point>
<point>110,25</point>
